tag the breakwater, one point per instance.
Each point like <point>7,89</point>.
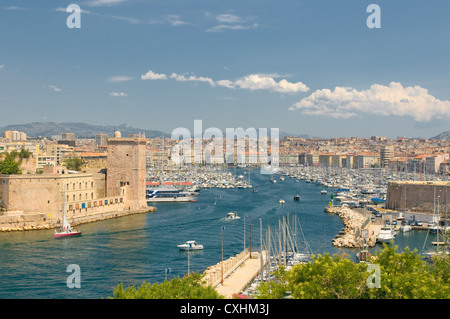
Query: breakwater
<point>354,222</point>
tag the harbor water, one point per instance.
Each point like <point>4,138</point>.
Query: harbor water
<point>143,247</point>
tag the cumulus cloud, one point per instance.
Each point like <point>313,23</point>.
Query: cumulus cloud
<point>249,82</point>
<point>119,94</point>
<point>267,82</point>
<point>345,102</point>
<point>150,75</point>
<point>193,78</point>
<point>2,66</point>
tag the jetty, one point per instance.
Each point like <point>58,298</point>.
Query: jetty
<point>233,275</point>
<point>354,222</point>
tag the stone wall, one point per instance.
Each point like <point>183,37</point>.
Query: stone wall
<point>420,196</point>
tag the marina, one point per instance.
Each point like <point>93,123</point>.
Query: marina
<point>140,247</point>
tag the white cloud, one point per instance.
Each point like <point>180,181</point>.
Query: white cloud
<point>193,78</point>
<point>175,20</point>
<point>15,8</point>
<point>226,83</point>
<point>99,3</point>
<point>118,94</point>
<point>2,66</point>
<point>221,27</point>
<point>150,75</point>
<point>228,21</point>
<point>61,9</point>
<point>54,88</point>
<point>229,18</point>
<point>267,82</point>
<point>119,78</point>
<point>249,82</point>
<point>345,102</point>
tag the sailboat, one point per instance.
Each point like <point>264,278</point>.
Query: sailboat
<point>66,229</point>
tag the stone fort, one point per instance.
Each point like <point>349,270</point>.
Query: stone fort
<point>39,198</point>
<point>419,196</point>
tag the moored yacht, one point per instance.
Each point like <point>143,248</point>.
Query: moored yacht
<point>386,234</point>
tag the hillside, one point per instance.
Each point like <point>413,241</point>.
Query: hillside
<point>442,136</point>
<point>81,130</point>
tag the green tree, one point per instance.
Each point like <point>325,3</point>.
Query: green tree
<point>188,287</point>
<point>402,276</point>
<point>9,165</point>
<point>73,164</point>
<point>325,277</point>
<point>24,154</point>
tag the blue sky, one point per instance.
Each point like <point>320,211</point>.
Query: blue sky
<point>305,67</point>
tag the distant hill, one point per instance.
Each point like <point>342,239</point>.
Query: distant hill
<point>442,136</point>
<point>81,130</point>
<point>84,130</point>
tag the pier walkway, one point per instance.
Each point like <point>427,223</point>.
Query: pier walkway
<point>238,272</point>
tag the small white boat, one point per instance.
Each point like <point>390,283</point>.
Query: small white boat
<point>405,227</point>
<point>323,192</point>
<point>281,201</point>
<point>433,228</point>
<point>190,245</point>
<point>386,234</point>
<point>232,215</point>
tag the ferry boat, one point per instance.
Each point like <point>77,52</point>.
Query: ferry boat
<point>170,194</point>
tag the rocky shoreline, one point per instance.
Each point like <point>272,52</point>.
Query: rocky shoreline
<point>353,221</point>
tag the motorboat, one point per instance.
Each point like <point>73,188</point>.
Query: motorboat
<point>297,197</point>
<point>405,227</point>
<point>386,234</point>
<point>281,201</point>
<point>433,228</point>
<point>190,245</point>
<point>232,216</point>
<point>323,192</point>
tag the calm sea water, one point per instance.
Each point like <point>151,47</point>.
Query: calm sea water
<point>139,248</point>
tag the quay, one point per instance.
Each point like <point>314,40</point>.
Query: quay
<point>238,272</point>
<point>20,221</point>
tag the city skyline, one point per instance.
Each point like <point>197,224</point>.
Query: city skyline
<point>305,68</point>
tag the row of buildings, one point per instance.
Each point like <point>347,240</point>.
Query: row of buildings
<point>421,156</point>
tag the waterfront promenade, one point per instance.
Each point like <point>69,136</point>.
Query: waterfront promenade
<point>238,272</point>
